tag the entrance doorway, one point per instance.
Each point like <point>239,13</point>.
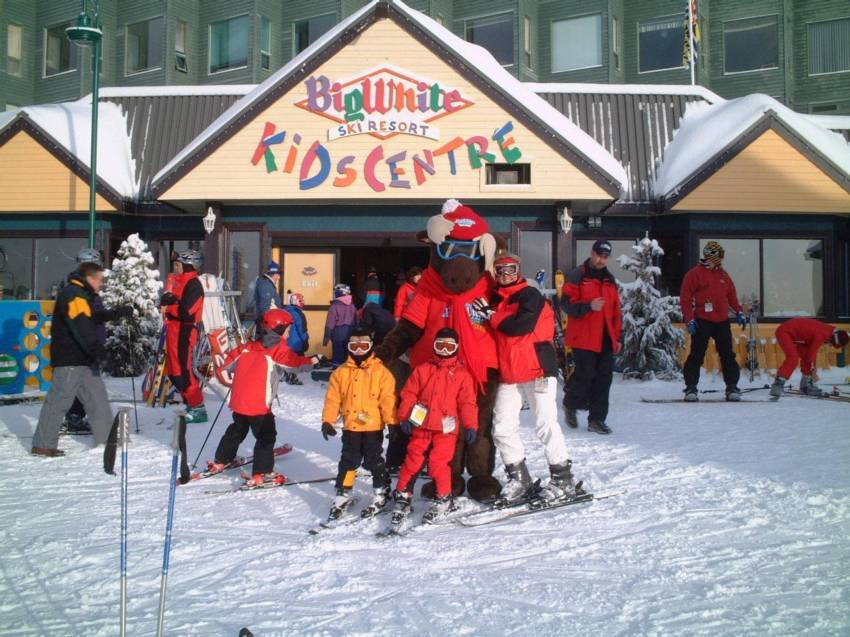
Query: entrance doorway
<point>391,263</point>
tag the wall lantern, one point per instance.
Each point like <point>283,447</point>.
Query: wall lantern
<point>209,220</point>
<point>565,220</point>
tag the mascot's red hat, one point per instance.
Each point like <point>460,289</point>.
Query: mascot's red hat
<point>462,223</point>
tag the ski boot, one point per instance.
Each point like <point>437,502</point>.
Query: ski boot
<point>197,414</point>
<point>73,425</point>
<point>441,507</point>
<point>809,388</point>
<point>691,395</point>
<point>598,426</point>
<point>560,485</point>
<point>733,394</point>
<point>777,388</point>
<point>401,508</point>
<point>260,480</point>
<point>572,418</point>
<point>214,467</point>
<point>342,502</point>
<point>380,501</point>
<point>518,487</point>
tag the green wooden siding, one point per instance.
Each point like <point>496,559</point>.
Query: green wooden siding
<point>817,90</point>
<point>554,11</point>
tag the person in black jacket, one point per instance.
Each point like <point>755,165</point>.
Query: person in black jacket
<point>75,353</point>
<point>377,320</point>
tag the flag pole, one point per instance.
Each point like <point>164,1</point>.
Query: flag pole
<point>691,40</point>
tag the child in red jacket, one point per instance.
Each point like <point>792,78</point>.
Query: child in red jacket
<point>255,382</point>
<point>438,394</point>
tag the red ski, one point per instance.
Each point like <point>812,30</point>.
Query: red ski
<point>239,461</point>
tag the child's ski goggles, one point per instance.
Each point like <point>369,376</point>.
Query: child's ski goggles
<point>359,344</point>
<point>445,346</point>
<point>509,269</point>
<point>452,249</point>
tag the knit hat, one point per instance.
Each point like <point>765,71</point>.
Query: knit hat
<point>602,247</point>
<point>504,256</point>
<point>446,332</point>
<point>341,289</point>
<point>361,331</point>
<point>712,254</point>
<point>840,338</point>
<point>274,268</point>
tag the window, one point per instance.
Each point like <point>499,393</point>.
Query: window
<point>308,31</point>
<point>508,174</point>
<point>144,46</point>
<point>14,48</point>
<point>536,253</point>
<point>16,268</point>
<point>229,44</point>
<point>793,277</point>
<point>526,38</point>
<point>618,247</point>
<point>494,33</point>
<point>751,44</point>
<point>661,44</point>
<point>743,263</point>
<point>12,107</point>
<point>265,43</point>
<point>54,260</point>
<point>577,43</point>
<point>243,264</point>
<point>829,46</point>
<point>181,33</point>
<point>440,19</point>
<point>615,42</point>
<point>60,56</point>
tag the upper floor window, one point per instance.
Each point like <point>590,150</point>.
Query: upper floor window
<point>751,44</point>
<point>181,35</point>
<point>265,43</point>
<point>829,46</point>
<point>494,33</point>
<point>577,43</point>
<point>60,56</point>
<point>527,41</point>
<point>144,46</point>
<point>661,44</point>
<point>305,32</point>
<point>229,44</point>
<point>14,49</point>
<point>615,42</point>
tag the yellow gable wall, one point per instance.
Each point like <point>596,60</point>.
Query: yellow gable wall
<point>228,174</point>
<point>32,179</point>
<point>769,175</point>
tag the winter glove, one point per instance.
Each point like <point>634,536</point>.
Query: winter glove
<point>693,326</point>
<point>316,360</point>
<point>483,307</point>
<point>406,427</point>
<point>168,299</point>
<point>123,311</point>
<point>328,430</point>
<point>742,319</point>
<point>470,435</point>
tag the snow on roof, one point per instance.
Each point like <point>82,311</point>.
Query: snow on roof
<point>164,91</point>
<point>625,89</point>
<point>707,129</point>
<point>473,54</point>
<point>832,122</point>
<point>69,123</point>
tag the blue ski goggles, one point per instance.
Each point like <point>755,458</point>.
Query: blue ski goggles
<point>452,249</point>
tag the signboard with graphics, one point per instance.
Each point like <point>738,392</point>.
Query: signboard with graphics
<point>386,117</point>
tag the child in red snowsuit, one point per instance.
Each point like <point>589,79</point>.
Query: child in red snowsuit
<point>254,386</point>
<point>800,340</point>
<point>438,394</point>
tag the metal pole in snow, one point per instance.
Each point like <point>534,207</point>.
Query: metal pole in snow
<point>124,435</point>
<point>179,424</point>
<point>691,39</point>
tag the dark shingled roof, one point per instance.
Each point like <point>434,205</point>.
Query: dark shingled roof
<point>160,125</point>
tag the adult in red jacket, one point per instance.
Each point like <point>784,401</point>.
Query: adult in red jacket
<point>524,325</point>
<point>592,301</point>
<point>439,394</point>
<point>406,291</point>
<point>255,383</point>
<point>800,340</point>
<point>184,307</point>
<point>707,295</point>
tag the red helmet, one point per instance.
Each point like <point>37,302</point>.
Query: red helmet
<point>276,318</point>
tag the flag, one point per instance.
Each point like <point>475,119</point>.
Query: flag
<point>692,34</point>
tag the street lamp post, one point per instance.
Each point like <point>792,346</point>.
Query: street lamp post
<point>88,32</point>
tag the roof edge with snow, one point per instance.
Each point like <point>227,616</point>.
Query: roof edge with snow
<point>544,120</point>
<point>625,89</point>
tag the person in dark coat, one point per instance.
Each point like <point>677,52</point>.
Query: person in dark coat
<point>297,336</point>
<point>377,320</point>
<point>373,287</point>
<point>266,295</point>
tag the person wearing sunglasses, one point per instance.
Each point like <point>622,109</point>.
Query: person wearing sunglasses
<point>362,394</point>
<point>438,396</point>
<point>524,324</point>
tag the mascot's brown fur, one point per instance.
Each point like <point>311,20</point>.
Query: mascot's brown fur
<point>462,252</point>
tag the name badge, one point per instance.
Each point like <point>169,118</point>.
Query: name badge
<point>709,307</point>
<point>418,414</point>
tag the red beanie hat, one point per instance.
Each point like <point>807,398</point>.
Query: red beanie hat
<point>467,225</point>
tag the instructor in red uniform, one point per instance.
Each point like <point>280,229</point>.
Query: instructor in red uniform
<point>800,340</point>
<point>184,306</point>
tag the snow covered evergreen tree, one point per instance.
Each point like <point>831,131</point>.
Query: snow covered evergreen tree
<point>133,280</point>
<point>651,344</point>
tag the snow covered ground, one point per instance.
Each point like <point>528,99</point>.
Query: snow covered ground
<point>732,520</point>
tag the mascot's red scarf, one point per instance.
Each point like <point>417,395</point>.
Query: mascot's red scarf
<point>431,285</point>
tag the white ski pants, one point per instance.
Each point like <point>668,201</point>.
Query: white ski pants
<point>544,407</point>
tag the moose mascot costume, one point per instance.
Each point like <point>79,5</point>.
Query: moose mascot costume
<point>459,272</point>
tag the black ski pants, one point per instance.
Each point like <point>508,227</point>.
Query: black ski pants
<point>265,434</point>
<point>590,383</point>
<point>366,448</point>
<point>722,334</point>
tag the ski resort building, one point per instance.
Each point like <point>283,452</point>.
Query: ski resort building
<point>334,162</point>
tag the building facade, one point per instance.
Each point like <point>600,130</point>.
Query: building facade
<point>796,51</point>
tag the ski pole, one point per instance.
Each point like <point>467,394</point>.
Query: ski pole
<point>133,385</point>
<point>179,425</point>
<point>204,444</point>
<point>124,435</point>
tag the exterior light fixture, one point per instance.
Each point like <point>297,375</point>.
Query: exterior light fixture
<point>564,219</point>
<point>209,220</point>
